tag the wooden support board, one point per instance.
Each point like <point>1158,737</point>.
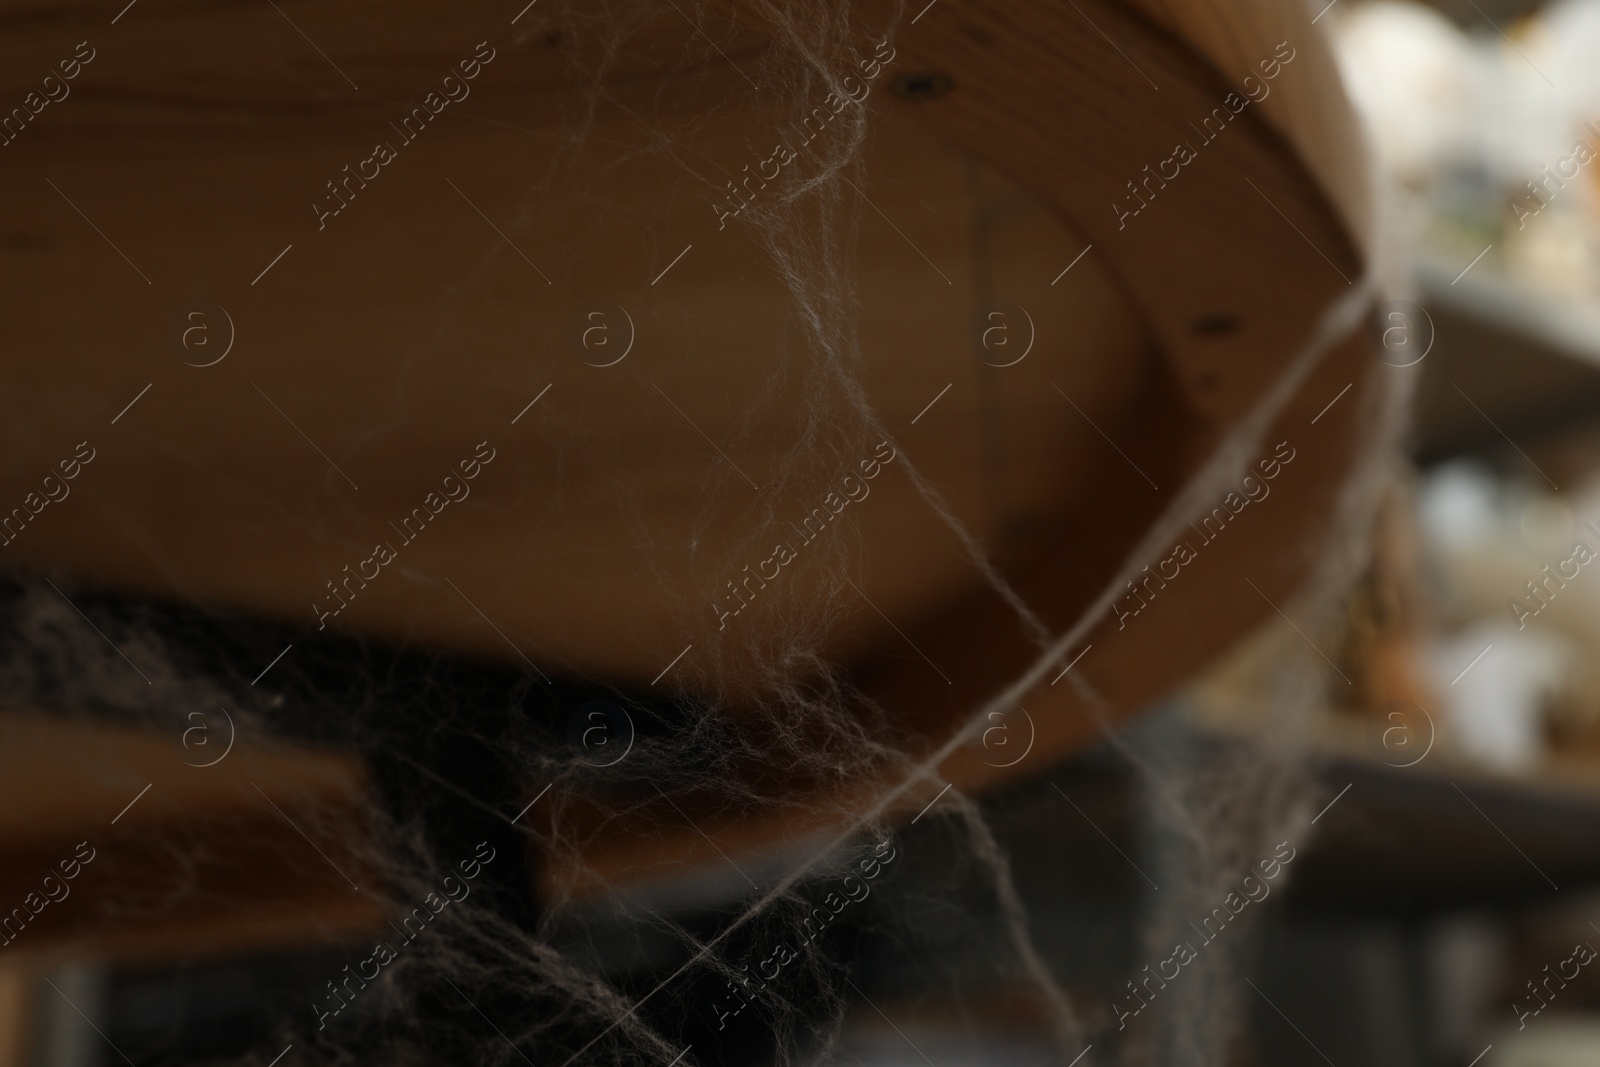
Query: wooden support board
<point>122,843</point>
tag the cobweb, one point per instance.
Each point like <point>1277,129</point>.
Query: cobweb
<point>755,975</point>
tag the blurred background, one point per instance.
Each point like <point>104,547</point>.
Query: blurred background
<point>1455,879</point>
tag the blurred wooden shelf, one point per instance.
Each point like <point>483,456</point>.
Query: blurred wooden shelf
<point>1447,832</point>
<point>1564,325</point>
<point>1529,360</point>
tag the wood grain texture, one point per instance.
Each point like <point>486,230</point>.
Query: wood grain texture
<point>1242,235</point>
<point>1311,110</point>
<point>453,289</point>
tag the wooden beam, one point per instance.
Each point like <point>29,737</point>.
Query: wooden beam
<point>266,845</point>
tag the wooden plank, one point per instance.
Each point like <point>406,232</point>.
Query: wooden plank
<point>16,1015</point>
<point>182,858</point>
